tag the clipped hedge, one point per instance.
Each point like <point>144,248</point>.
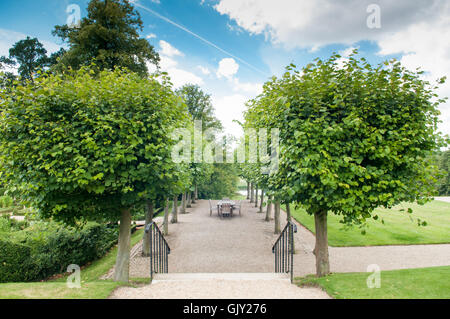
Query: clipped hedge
<point>15,262</point>
<point>44,250</point>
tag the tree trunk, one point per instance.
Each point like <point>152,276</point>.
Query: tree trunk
<point>261,205</point>
<point>289,219</point>
<point>189,200</point>
<point>122,268</point>
<point>256,196</point>
<point>251,193</point>
<point>183,203</point>
<point>175,210</point>
<point>277,217</point>
<point>193,196</point>
<point>146,238</point>
<point>321,249</point>
<point>248,190</point>
<point>166,218</point>
<point>269,209</point>
<point>196,192</point>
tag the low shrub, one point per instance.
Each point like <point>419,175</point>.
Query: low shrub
<point>15,263</point>
<point>6,201</point>
<point>49,248</point>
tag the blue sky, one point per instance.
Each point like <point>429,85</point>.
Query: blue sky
<point>230,47</point>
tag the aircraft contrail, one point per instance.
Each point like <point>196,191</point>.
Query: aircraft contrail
<point>198,37</point>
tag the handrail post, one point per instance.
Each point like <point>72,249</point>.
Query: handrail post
<point>291,237</point>
<point>159,250</point>
<point>151,251</point>
<point>283,249</point>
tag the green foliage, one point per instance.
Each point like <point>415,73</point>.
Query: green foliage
<point>29,54</point>
<point>6,201</point>
<point>443,183</point>
<point>221,183</point>
<point>8,224</point>
<point>84,144</point>
<point>45,249</point>
<point>14,261</point>
<point>109,34</point>
<point>353,137</point>
<point>199,106</point>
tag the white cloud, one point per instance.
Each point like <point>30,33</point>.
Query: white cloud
<point>227,68</point>
<point>178,76</point>
<point>425,45</point>
<point>151,36</point>
<point>204,70</point>
<point>248,87</point>
<point>418,30</point>
<point>181,77</point>
<point>167,63</point>
<point>315,23</point>
<point>229,108</point>
<point>168,50</point>
<point>9,37</point>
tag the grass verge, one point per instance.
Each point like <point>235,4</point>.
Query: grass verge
<point>420,283</point>
<point>91,285</point>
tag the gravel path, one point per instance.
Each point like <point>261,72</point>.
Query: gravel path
<point>201,243</point>
<point>443,199</point>
<point>242,244</point>
<point>357,259</point>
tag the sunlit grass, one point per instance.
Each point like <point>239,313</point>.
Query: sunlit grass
<point>421,283</point>
<point>399,228</point>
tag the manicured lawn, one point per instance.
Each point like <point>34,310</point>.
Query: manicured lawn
<point>57,290</point>
<point>399,228</point>
<point>421,283</point>
<point>91,285</point>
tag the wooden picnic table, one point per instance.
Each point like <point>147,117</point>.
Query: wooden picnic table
<point>221,202</point>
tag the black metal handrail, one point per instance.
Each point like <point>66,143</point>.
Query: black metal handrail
<point>284,250</point>
<point>159,250</point>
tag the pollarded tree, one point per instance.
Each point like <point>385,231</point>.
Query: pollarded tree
<point>85,146</point>
<point>353,138</point>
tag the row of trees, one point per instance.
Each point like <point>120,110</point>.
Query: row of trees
<point>88,136</point>
<point>442,160</point>
<point>353,137</point>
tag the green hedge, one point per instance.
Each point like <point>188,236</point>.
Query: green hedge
<point>15,262</point>
<point>44,250</point>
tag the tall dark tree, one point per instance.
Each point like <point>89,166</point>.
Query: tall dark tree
<point>29,54</point>
<point>53,59</point>
<point>109,34</point>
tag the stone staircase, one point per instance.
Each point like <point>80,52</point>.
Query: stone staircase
<point>220,286</point>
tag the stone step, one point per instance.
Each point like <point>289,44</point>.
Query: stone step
<point>220,276</point>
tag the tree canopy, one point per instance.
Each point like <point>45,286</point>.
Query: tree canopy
<point>200,106</point>
<point>30,56</point>
<point>109,35</point>
<point>352,138</point>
